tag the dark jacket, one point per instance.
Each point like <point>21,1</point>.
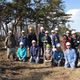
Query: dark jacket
<point>23,39</point>
<point>55,39</point>
<point>31,36</point>
<point>35,51</point>
<point>10,41</point>
<point>47,39</point>
<point>41,36</point>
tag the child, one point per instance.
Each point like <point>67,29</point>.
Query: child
<point>22,52</point>
<point>34,52</point>
<point>57,56</point>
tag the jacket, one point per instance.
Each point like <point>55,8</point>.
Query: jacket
<point>10,41</point>
<point>23,39</point>
<point>35,51</point>
<point>22,53</point>
<point>70,55</point>
<point>55,39</point>
<point>57,55</point>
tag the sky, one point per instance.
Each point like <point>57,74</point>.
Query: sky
<point>73,7</point>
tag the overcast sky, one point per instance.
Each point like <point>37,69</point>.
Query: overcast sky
<point>73,7</point>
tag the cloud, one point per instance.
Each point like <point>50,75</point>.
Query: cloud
<point>75,18</point>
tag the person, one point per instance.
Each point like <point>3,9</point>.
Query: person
<point>57,56</point>
<point>22,52</point>
<point>31,36</point>
<point>75,44</point>
<point>47,38</point>
<point>23,38</point>
<point>47,55</point>
<point>10,44</point>
<point>34,52</point>
<point>70,56</point>
<point>41,36</point>
<point>55,38</point>
<point>63,42</point>
<point>69,38</point>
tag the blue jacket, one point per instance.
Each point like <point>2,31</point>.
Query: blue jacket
<point>55,39</point>
<point>24,39</point>
<point>70,55</point>
<point>57,55</point>
<point>35,51</point>
<point>22,53</point>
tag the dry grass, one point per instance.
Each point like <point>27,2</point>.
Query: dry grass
<point>26,71</point>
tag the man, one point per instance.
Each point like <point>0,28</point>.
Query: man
<point>68,34</point>
<point>34,52</point>
<point>57,56</point>
<point>23,38</point>
<point>70,56</point>
<point>10,44</point>
<point>55,38</point>
<point>31,36</point>
<point>47,38</point>
<point>52,33</point>
<point>75,44</point>
<point>41,36</point>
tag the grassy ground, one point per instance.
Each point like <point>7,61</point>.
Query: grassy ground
<point>10,70</point>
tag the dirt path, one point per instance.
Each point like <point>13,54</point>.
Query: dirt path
<point>26,71</point>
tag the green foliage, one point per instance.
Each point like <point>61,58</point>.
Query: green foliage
<point>21,10</point>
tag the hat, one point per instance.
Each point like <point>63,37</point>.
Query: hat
<point>23,31</point>
<point>33,41</point>
<point>46,32</point>
<point>67,32</point>
<point>21,43</point>
<point>68,43</point>
<point>41,28</point>
<point>10,32</point>
<point>52,31</point>
<point>48,46</point>
<point>73,32</point>
<point>56,29</point>
<point>58,45</point>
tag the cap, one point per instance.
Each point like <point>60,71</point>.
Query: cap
<point>52,31</point>
<point>73,32</point>
<point>46,32</point>
<point>58,45</point>
<point>68,43</point>
<point>21,43</point>
<point>56,29</point>
<point>41,28</point>
<point>33,41</point>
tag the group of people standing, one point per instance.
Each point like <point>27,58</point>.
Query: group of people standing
<point>48,47</point>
